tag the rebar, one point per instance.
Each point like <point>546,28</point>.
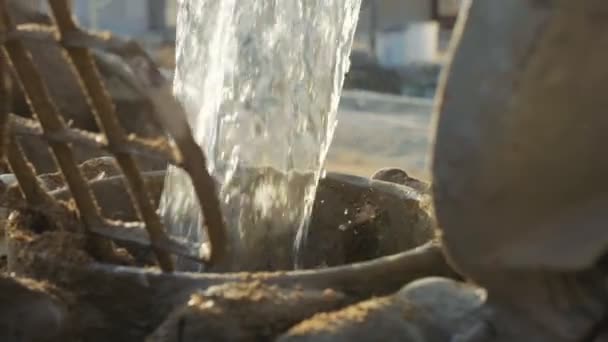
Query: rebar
<point>49,125</point>
<point>150,148</point>
<point>106,118</point>
<point>51,121</point>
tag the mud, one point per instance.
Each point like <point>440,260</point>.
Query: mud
<point>30,235</point>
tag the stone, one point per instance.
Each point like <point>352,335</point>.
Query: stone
<point>249,311</point>
<point>399,176</point>
<point>429,309</point>
<point>32,311</point>
<point>384,319</point>
<point>446,302</point>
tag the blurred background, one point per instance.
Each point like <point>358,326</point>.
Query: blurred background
<point>398,53</point>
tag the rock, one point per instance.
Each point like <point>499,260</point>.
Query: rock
<point>398,176</point>
<point>519,182</point>
<point>23,12</point>
<point>446,302</point>
<point>32,311</point>
<point>243,312</point>
<point>429,310</point>
<point>384,319</point>
<point>8,180</point>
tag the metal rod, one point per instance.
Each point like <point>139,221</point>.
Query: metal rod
<point>59,136</point>
<point>51,122</point>
<point>26,177</point>
<point>136,232</point>
<point>173,118</point>
<point>150,148</point>
<point>105,115</point>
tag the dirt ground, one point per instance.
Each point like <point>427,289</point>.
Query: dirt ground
<point>376,131</point>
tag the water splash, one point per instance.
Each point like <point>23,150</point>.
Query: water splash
<point>261,82</point>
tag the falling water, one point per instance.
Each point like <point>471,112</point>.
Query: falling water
<point>260,81</point>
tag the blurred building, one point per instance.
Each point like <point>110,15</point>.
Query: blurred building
<point>399,31</point>
<point>383,14</point>
<point>142,19</point>
<point>402,38</point>
<point>401,44</point>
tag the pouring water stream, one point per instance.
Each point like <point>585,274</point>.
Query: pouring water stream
<point>260,81</point>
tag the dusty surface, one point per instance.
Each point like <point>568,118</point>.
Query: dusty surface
<point>519,168</point>
<point>244,312</point>
<point>30,234</point>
